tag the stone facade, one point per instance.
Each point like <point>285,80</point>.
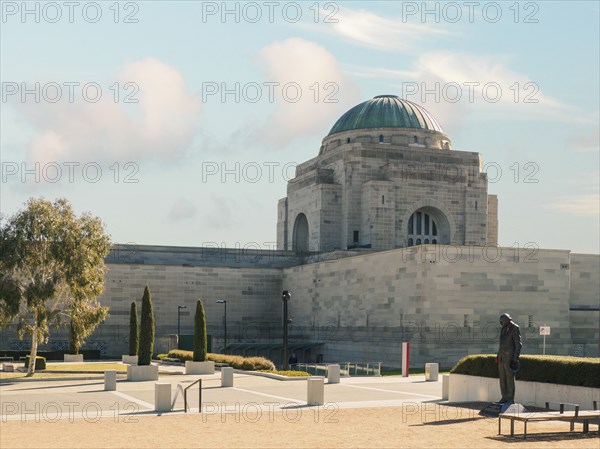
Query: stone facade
<point>360,192</point>
<point>584,314</point>
<point>492,220</point>
<point>444,300</point>
<point>359,306</point>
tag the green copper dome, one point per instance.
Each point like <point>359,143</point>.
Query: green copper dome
<point>386,111</point>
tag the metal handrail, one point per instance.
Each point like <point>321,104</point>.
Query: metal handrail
<point>364,368</point>
<point>185,407</point>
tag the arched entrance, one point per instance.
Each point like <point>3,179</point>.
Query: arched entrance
<point>428,225</point>
<point>300,236</point>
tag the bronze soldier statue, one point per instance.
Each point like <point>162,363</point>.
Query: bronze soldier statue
<point>508,354</point>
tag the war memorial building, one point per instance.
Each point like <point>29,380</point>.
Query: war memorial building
<point>387,235</point>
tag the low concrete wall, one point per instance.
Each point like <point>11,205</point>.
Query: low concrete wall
<point>207,367</point>
<point>474,388</point>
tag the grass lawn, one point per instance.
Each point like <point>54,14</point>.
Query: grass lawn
<point>86,367</point>
<point>38,375</point>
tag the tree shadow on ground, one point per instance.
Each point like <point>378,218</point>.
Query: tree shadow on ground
<point>47,387</point>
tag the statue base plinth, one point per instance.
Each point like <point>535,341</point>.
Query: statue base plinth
<point>496,408</point>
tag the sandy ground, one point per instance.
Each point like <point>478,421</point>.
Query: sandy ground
<point>431,427</point>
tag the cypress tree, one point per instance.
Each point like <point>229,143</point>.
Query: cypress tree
<point>200,333</point>
<point>133,330</point>
<point>146,330</point>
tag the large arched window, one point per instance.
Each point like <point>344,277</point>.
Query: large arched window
<point>428,225</point>
<point>300,243</point>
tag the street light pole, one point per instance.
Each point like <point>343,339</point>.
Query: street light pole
<point>179,323</point>
<point>285,298</point>
<point>224,302</point>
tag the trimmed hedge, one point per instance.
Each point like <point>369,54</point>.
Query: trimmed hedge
<point>40,363</point>
<point>552,369</point>
<point>235,361</point>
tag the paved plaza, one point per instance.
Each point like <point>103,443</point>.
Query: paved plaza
<point>256,412</point>
<point>85,398</point>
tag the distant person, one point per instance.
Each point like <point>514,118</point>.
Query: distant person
<point>508,357</point>
<point>293,359</point>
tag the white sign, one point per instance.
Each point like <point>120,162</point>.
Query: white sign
<point>544,330</point>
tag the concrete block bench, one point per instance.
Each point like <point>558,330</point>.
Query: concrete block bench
<point>315,392</point>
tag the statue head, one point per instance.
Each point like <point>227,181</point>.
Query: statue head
<point>505,318</point>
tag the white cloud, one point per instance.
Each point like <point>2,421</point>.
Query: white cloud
<point>181,210</point>
<point>380,72</point>
<point>462,68</point>
<point>585,142</point>
<point>161,125</point>
<point>587,205</point>
<point>306,63</point>
<point>450,83</point>
<point>371,30</point>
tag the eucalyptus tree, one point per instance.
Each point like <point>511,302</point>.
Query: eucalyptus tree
<point>51,267</point>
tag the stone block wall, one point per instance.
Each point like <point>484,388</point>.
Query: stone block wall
<point>492,219</point>
<point>585,303</point>
<point>252,296</point>
<point>444,300</point>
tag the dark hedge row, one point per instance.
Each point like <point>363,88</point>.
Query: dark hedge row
<point>577,371</point>
<point>40,363</point>
<point>88,354</point>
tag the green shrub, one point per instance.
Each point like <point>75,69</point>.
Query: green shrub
<point>180,354</point>
<point>200,349</point>
<point>134,341</point>
<point>235,361</point>
<point>247,365</point>
<point>552,369</point>
<point>146,330</point>
<point>161,356</point>
<point>40,362</point>
<point>287,373</point>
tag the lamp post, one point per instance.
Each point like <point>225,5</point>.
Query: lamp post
<point>179,323</point>
<point>285,296</point>
<point>224,302</point>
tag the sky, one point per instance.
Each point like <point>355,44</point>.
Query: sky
<point>180,123</point>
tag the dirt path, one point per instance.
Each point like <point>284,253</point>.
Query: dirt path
<point>432,427</point>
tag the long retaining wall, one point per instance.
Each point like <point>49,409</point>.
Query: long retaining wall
<point>444,300</point>
<point>464,388</point>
